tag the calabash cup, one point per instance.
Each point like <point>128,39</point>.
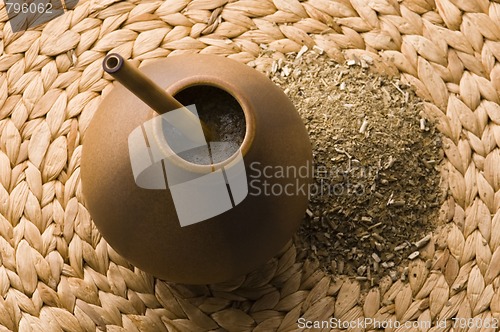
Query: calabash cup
<point>143,225</point>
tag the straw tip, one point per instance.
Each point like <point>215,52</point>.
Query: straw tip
<point>112,63</point>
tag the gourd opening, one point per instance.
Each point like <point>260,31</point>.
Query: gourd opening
<point>222,114</point>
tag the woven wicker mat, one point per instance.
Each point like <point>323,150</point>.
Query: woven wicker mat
<point>57,273</point>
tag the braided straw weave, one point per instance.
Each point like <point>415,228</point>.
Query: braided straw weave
<point>58,273</point>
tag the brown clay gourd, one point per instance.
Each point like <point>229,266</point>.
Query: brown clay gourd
<point>145,221</point>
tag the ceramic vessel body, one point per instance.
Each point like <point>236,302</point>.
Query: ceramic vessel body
<point>142,225</point>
